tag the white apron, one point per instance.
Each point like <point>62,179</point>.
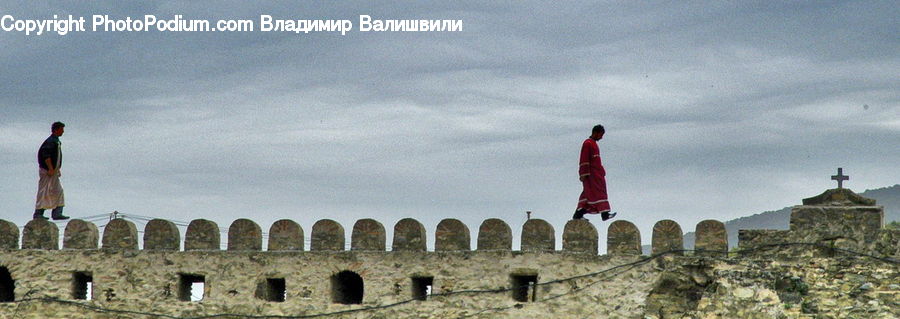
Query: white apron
<point>50,191</point>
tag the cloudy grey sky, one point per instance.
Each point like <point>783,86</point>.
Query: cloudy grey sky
<point>713,110</point>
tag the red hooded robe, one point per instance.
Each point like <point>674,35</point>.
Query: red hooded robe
<point>593,198</point>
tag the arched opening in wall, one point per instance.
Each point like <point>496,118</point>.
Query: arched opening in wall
<point>273,289</point>
<point>524,287</point>
<point>421,287</point>
<point>7,286</point>
<point>346,288</point>
<point>82,285</point>
<point>191,287</point>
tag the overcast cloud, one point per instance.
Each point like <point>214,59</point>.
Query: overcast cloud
<point>713,110</point>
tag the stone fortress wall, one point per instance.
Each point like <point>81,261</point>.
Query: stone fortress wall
<point>836,261</point>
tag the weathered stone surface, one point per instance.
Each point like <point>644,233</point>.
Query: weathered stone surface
<point>667,236</point>
<point>682,287</point>
<point>494,234</point>
<point>887,243</point>
<point>138,281</point>
<point>40,234</point>
<point>750,238</point>
<point>161,234</point>
<point>765,243</point>
<point>285,235</point>
<point>120,234</point>
<point>831,221</point>
<point>80,234</point>
<point>711,238</point>
<point>538,235</point>
<point>368,234</point>
<point>623,238</point>
<point>452,235</point>
<point>676,294</point>
<point>571,285</point>
<point>838,197</point>
<point>9,235</point>
<point>202,234</point>
<point>579,235</point>
<point>409,235</point>
<point>244,234</point>
<point>327,235</point>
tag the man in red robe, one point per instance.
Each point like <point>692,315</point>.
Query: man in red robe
<point>593,199</point>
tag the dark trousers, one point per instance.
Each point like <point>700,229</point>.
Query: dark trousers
<point>55,212</point>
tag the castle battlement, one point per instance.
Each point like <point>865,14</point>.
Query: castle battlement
<point>107,275</point>
<point>579,236</point>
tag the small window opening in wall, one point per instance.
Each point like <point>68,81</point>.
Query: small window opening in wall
<point>421,287</point>
<point>524,287</point>
<point>7,286</point>
<point>273,289</point>
<point>346,288</point>
<point>191,287</point>
<point>82,285</point>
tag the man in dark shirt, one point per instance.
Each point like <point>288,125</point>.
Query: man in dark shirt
<point>50,191</point>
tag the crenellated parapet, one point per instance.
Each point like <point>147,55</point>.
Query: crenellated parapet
<point>80,234</point>
<point>40,234</point>
<point>9,235</point>
<point>161,234</point>
<point>368,235</point>
<point>410,235</point>
<point>285,235</point>
<point>166,271</point>
<point>451,235</point>
<point>120,234</point>
<point>494,234</point>
<point>185,273</point>
<point>836,218</point>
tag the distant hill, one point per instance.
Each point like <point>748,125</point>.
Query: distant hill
<point>889,197</point>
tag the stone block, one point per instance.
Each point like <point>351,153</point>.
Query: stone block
<point>494,234</point>
<point>452,235</point>
<point>623,238</point>
<point>409,235</point>
<point>769,243</point>
<point>40,234</point>
<point>285,235</point>
<point>711,239</point>
<point>838,221</point>
<point>667,236</point>
<point>80,234</point>
<point>161,234</point>
<point>327,235</point>
<point>887,243</point>
<point>120,234</point>
<point>751,238</point>
<point>202,234</point>
<point>368,234</point>
<point>9,235</point>
<point>580,236</point>
<point>244,234</point>
<point>538,235</point>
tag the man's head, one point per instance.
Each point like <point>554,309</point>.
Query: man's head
<point>597,132</point>
<point>58,128</point>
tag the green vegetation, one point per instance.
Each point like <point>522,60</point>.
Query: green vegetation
<point>893,225</point>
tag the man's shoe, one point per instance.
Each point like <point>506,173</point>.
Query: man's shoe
<point>607,215</point>
<point>41,216</point>
<point>579,214</point>
<point>58,217</point>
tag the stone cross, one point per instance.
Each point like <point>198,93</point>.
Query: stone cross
<point>840,177</point>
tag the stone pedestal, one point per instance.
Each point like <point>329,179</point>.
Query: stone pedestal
<point>835,220</point>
